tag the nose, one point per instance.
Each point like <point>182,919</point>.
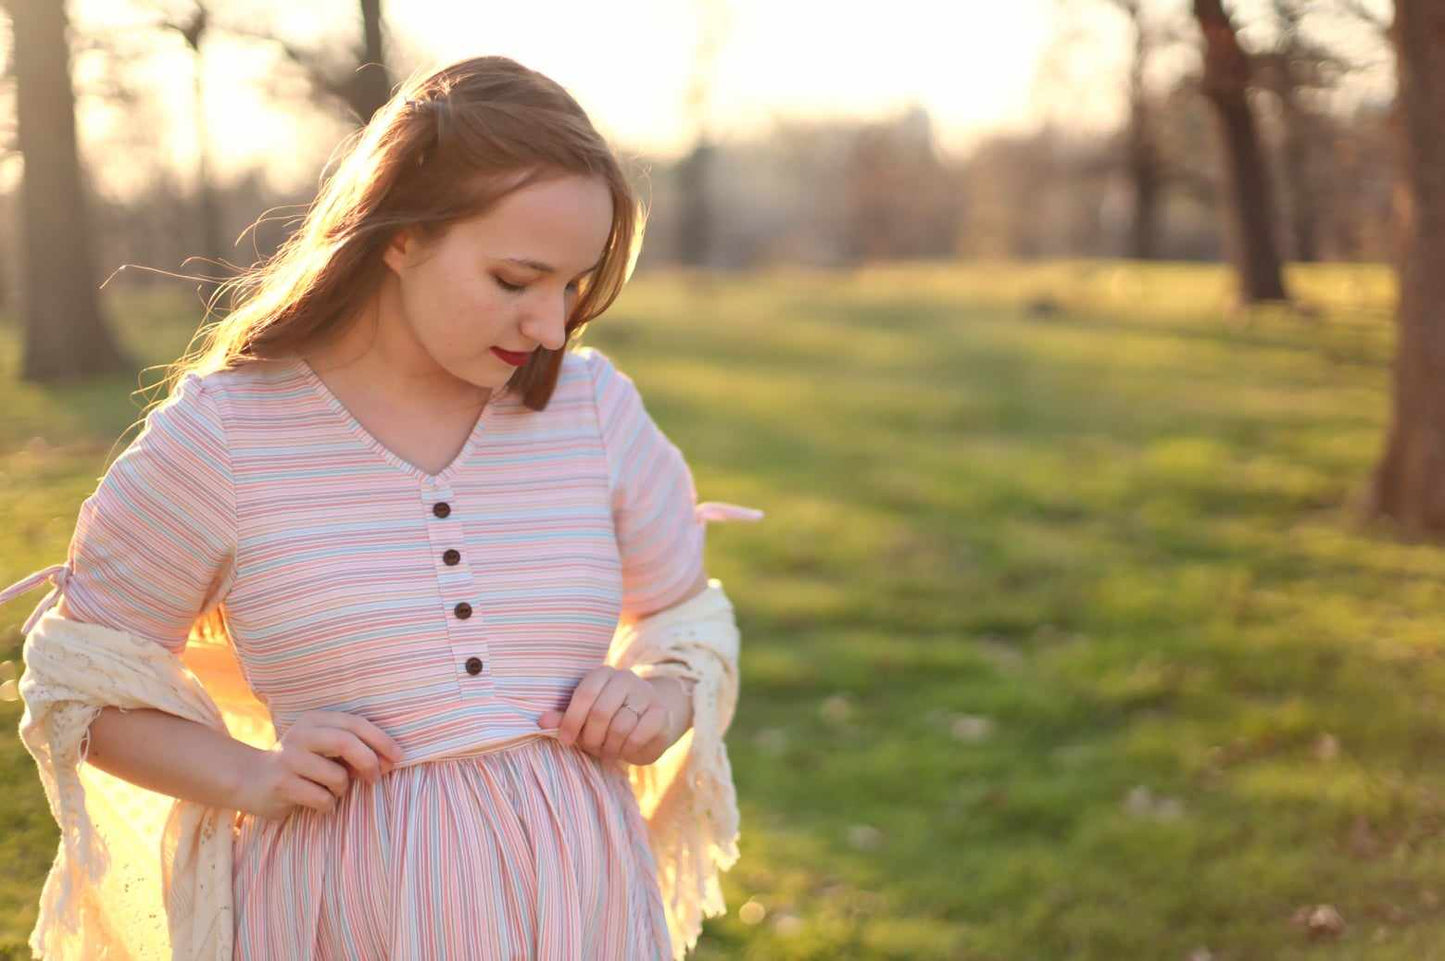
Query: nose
<point>548,326</point>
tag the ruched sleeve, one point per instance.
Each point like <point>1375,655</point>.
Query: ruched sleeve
<point>659,536</point>
<point>155,544</point>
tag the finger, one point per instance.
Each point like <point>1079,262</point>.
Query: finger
<point>604,709</point>
<point>648,753</point>
<point>581,703</point>
<point>309,794</point>
<point>623,723</point>
<point>374,737</point>
<point>369,776</point>
<point>339,742</point>
<point>381,743</point>
<point>649,727</point>
<point>323,771</point>
<point>549,719</point>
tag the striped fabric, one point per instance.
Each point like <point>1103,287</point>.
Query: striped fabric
<point>536,851</point>
<point>451,610</point>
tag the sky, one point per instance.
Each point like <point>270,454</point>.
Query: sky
<point>627,62</point>
<point>789,57</point>
<point>977,66</point>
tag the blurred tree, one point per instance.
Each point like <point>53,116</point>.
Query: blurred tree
<point>1142,157</point>
<point>1037,194</point>
<point>1296,67</point>
<point>1226,81</point>
<point>1409,483</point>
<point>1304,70</point>
<point>899,201</point>
<point>66,335</point>
<point>1356,197</point>
<point>1357,208</point>
<point>193,30</point>
<point>696,229</point>
<point>373,81</point>
<point>695,240</point>
<point>358,79</point>
<point>1148,178</point>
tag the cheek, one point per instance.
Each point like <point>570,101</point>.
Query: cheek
<point>447,312</point>
<point>426,309</point>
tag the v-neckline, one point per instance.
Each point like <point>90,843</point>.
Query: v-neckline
<point>386,453</point>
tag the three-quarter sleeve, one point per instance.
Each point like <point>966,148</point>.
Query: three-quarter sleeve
<point>154,545</point>
<point>654,501</point>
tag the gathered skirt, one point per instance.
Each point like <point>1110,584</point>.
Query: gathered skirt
<point>535,852</point>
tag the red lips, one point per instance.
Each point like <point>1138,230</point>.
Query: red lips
<point>511,357</point>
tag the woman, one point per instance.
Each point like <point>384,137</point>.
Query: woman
<point>418,517</point>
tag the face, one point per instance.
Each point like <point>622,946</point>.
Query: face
<point>505,279</point>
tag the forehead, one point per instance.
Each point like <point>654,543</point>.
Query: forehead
<point>563,221</point>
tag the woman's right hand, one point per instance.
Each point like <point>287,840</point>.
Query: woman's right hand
<point>299,768</point>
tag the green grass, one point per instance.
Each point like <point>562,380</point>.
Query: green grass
<point>1061,639</point>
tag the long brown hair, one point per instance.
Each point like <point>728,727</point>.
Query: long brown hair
<point>446,146</point>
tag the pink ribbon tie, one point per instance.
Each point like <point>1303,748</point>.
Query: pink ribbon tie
<point>57,574</point>
<point>711,511</point>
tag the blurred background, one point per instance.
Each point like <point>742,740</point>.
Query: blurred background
<point>1086,358</point>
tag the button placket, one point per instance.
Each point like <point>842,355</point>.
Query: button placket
<point>446,531</point>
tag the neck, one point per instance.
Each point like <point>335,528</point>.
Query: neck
<point>381,358</point>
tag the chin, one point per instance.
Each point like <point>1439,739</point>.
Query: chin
<point>481,375</point>
<point>506,377</point>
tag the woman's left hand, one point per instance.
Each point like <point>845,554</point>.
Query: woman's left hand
<point>616,714</point>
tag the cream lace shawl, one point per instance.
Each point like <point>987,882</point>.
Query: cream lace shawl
<point>108,897</point>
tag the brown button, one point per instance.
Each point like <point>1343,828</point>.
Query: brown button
<point>451,558</point>
<point>474,665</point>
<point>441,508</point>
<point>463,610</point>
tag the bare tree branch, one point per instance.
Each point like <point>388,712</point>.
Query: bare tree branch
<point>349,80</point>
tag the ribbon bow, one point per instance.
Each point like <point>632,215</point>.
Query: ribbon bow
<point>58,574</point>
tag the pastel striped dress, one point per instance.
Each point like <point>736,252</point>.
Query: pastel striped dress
<point>451,610</point>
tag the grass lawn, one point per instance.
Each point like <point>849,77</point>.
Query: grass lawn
<point>1061,639</point>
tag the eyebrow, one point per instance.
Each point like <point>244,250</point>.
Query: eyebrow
<point>544,268</point>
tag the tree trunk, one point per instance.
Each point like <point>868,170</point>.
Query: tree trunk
<point>210,208</point>
<point>1251,222</point>
<point>1143,162</point>
<point>1409,483</point>
<point>695,209</point>
<point>373,81</point>
<point>1299,179</point>
<point>65,332</point>
<point>1147,179</point>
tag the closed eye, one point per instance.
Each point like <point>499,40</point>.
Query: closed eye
<point>518,288</point>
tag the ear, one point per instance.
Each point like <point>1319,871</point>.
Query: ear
<point>400,249</point>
